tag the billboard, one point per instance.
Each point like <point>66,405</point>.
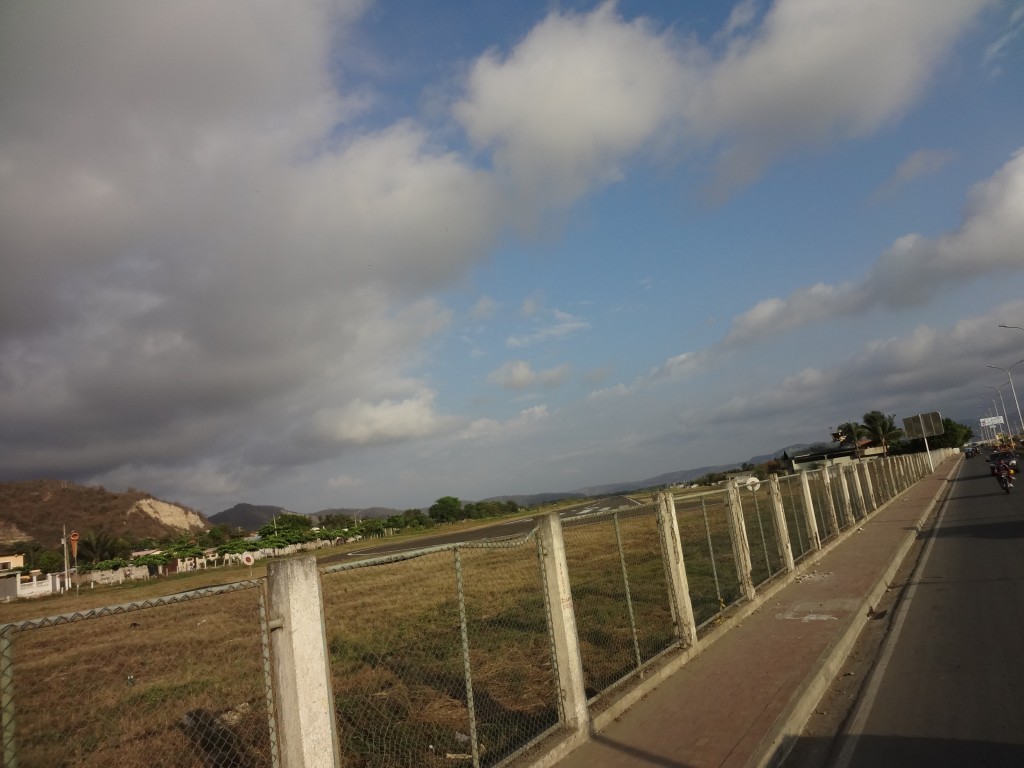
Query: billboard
<point>923,425</point>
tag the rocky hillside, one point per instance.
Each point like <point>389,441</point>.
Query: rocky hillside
<point>36,510</point>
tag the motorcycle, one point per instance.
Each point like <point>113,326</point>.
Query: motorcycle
<point>1005,477</point>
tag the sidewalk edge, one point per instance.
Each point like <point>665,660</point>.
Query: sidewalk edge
<point>791,723</point>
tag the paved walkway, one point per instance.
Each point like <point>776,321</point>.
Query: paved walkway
<point>744,693</point>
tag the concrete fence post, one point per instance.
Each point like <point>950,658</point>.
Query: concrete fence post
<point>844,492</point>
<point>812,523</point>
<point>569,664</point>
<point>869,490</point>
<point>740,543</point>
<point>299,665</point>
<point>890,469</point>
<point>830,502</point>
<point>853,481</point>
<point>781,526</point>
<point>675,567</point>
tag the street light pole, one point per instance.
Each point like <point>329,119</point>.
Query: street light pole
<point>1013,390</point>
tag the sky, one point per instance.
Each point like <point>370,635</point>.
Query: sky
<point>344,253</point>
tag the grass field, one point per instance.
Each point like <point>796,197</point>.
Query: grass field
<point>430,656</point>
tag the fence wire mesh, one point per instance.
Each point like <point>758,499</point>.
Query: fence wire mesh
<point>796,518</point>
<point>620,593</point>
<point>707,553</point>
<point>835,476</point>
<point>442,657</point>
<point>762,534</point>
<point>178,681</point>
<point>820,498</point>
<point>880,480</point>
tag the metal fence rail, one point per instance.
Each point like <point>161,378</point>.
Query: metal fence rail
<point>173,681</point>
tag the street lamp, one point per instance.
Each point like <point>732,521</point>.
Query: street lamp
<point>1020,419</point>
<point>1011,326</point>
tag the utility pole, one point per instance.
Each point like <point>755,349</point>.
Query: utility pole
<point>64,544</point>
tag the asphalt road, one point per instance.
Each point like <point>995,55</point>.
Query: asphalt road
<point>947,688</point>
<point>516,527</point>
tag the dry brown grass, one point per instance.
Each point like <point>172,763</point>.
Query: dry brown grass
<point>105,692</point>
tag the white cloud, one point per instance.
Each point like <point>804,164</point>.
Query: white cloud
<point>914,268</point>
<point>520,375</point>
<point>563,324</point>
<point>363,423</point>
<point>492,430</point>
<point>572,101</point>
<point>923,162</point>
<point>813,72</point>
<point>675,368</point>
<point>996,52</point>
<point>484,308</point>
<point>913,373</point>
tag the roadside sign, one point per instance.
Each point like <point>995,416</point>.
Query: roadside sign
<point>923,425</point>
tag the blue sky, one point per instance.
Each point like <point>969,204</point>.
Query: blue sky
<point>352,253</point>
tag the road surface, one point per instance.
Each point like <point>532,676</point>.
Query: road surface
<point>947,687</point>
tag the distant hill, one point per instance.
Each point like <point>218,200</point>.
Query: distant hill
<point>249,517</point>
<point>684,475</point>
<point>252,517</point>
<point>669,478</point>
<point>37,510</point>
<point>627,486</point>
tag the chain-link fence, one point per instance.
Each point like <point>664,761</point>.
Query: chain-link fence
<point>620,593</point>
<point>762,533</point>
<point>441,655</point>
<point>176,681</point>
<point>820,499</point>
<point>708,553</point>
<point>796,516</point>
<point>449,655</point>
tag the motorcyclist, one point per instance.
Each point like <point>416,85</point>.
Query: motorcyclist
<point>1003,470</point>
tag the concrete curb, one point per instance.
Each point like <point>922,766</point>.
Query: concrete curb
<point>790,724</point>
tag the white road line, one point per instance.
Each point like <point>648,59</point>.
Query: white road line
<point>867,701</point>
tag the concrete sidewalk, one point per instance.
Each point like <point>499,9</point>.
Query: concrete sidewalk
<point>750,689</point>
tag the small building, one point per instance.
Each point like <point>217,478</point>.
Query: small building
<point>829,456</point>
<point>10,562</point>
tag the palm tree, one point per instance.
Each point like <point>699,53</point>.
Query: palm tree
<point>881,428</point>
<point>851,432</point>
<point>96,546</point>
